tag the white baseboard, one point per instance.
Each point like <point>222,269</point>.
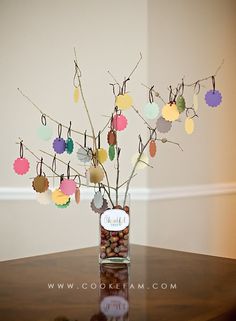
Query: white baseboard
<point>137,194</point>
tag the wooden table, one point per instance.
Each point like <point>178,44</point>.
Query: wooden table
<point>178,286</point>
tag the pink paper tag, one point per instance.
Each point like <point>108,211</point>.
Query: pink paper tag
<point>68,186</point>
<point>21,166</point>
<point>119,122</point>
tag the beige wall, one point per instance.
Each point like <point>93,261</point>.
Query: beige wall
<point>190,38</point>
<point>176,38</point>
<point>37,40</point>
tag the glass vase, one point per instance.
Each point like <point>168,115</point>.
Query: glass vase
<point>115,233</point>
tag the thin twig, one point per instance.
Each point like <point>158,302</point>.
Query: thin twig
<point>61,161</point>
<point>155,92</point>
<point>138,113</point>
<point>165,140</point>
<point>131,73</point>
<point>49,167</point>
<point>117,169</point>
<point>141,161</point>
<point>38,158</point>
<point>105,172</point>
<point>107,124</point>
<point>126,181</point>
<point>116,82</point>
<point>136,164</point>
<point>85,104</point>
<point>136,66</point>
<point>108,194</point>
<point>206,78</point>
<point>48,116</point>
<point>56,176</point>
<point>107,179</point>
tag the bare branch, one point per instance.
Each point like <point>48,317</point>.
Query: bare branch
<point>138,113</point>
<point>136,66</point>
<point>48,116</point>
<point>85,104</point>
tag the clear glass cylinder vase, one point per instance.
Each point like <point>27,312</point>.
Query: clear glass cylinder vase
<point>115,233</point>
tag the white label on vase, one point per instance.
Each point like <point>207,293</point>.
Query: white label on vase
<point>114,220</point>
<point>114,306</point>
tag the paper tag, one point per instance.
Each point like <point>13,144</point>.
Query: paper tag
<point>114,220</point>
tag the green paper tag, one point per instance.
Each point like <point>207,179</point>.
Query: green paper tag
<point>180,103</point>
<point>111,152</point>
<point>45,132</point>
<point>69,145</point>
<point>64,205</point>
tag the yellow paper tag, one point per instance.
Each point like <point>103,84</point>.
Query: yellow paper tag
<point>124,101</point>
<point>170,112</point>
<point>76,94</point>
<point>189,125</point>
<point>101,155</point>
<point>59,198</point>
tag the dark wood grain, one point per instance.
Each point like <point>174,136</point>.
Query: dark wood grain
<point>206,287</point>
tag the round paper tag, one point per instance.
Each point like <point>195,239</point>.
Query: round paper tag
<point>151,110</point>
<point>96,174</point>
<point>119,122</point>
<point>99,210</point>
<point>213,98</point>
<point>68,186</point>
<point>101,155</point>
<point>69,145</point>
<point>40,184</point>
<point>45,132</point>
<point>163,126</point>
<point>170,112</point>
<point>59,145</point>
<point>124,101</point>
<point>63,205</point>
<point>98,199</point>
<point>84,155</point>
<point>59,198</point>
<point>44,198</point>
<point>21,166</point>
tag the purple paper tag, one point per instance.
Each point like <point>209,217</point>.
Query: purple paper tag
<point>213,98</point>
<point>59,145</point>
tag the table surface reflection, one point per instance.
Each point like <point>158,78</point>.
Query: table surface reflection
<point>159,284</point>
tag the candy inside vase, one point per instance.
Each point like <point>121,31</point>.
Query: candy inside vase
<point>115,233</point>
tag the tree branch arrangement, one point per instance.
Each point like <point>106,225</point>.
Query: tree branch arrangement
<point>93,157</point>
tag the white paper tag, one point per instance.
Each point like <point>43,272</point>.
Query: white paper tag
<point>114,220</point>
